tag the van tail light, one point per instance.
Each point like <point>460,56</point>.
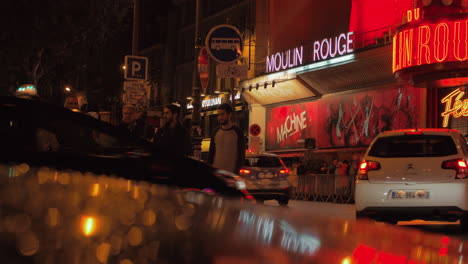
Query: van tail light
<point>458,165</point>
<point>284,171</point>
<point>244,171</point>
<point>366,166</point>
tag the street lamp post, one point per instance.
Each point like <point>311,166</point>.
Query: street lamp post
<point>196,90</point>
<point>136,24</point>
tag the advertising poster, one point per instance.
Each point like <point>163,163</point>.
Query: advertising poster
<point>351,120</point>
<point>354,120</point>
<point>288,126</point>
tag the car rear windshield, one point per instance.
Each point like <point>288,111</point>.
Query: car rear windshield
<point>413,146</point>
<point>263,162</point>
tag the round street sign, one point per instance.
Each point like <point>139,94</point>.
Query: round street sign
<point>255,130</point>
<point>224,43</point>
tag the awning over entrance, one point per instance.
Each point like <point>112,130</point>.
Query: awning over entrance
<point>283,91</point>
<point>370,68</point>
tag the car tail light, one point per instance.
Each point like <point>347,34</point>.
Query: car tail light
<point>414,133</point>
<point>284,171</point>
<point>459,165</point>
<point>244,171</point>
<point>247,196</point>
<point>366,166</point>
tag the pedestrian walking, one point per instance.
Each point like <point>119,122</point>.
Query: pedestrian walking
<point>332,166</point>
<point>173,136</point>
<point>131,122</point>
<point>323,168</point>
<point>227,146</point>
<point>352,171</point>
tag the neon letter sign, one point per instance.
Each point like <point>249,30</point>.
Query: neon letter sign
<point>293,124</point>
<point>430,43</point>
<point>322,50</point>
<point>454,106</point>
<point>328,48</point>
<point>284,60</point>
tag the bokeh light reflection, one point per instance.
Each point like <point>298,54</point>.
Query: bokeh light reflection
<point>135,236</point>
<point>88,225</point>
<point>102,252</point>
<point>27,243</point>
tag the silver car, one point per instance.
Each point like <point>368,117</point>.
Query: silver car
<point>266,177</point>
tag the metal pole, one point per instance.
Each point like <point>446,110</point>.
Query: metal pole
<point>136,20</point>
<point>196,91</point>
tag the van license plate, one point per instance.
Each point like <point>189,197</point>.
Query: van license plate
<point>410,194</point>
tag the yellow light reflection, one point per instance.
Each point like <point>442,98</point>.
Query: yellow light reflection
<point>129,186</point>
<point>345,228</point>
<point>135,193</point>
<point>95,191</point>
<point>88,226</point>
<point>346,261</point>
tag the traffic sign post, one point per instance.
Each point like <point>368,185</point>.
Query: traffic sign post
<point>231,71</point>
<point>137,99</point>
<point>136,68</point>
<point>134,87</point>
<point>255,130</point>
<point>204,68</point>
<point>224,44</point>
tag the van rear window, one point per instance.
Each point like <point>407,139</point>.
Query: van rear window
<point>413,146</point>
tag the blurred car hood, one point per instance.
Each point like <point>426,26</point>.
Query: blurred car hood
<point>66,216</point>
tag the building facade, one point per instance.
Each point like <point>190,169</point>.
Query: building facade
<point>331,82</point>
<point>323,79</point>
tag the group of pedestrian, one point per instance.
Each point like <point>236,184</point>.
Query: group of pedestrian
<point>227,146</point>
<point>344,170</point>
<point>341,167</point>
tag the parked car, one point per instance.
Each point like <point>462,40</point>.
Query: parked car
<point>42,134</point>
<point>266,177</point>
<point>414,174</point>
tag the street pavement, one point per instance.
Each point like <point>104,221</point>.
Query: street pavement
<point>319,209</point>
<point>347,212</point>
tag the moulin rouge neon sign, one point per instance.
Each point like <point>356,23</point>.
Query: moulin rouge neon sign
<point>428,43</point>
<point>454,106</point>
<point>322,50</point>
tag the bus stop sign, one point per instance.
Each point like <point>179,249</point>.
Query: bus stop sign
<point>224,43</point>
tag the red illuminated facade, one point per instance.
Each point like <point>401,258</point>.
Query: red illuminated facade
<point>408,68</point>
<point>347,121</point>
<point>423,42</point>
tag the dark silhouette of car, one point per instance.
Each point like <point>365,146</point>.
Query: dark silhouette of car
<point>42,134</point>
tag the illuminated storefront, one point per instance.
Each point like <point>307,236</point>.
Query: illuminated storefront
<point>431,51</point>
<point>209,112</point>
<point>341,90</point>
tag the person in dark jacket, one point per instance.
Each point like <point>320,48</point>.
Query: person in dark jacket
<point>173,136</point>
<point>131,122</point>
<point>227,146</point>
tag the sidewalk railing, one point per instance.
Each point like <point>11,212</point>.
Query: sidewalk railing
<point>324,188</point>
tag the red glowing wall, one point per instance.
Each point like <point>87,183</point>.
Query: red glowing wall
<point>345,121</point>
<point>369,15</point>
<point>293,23</point>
